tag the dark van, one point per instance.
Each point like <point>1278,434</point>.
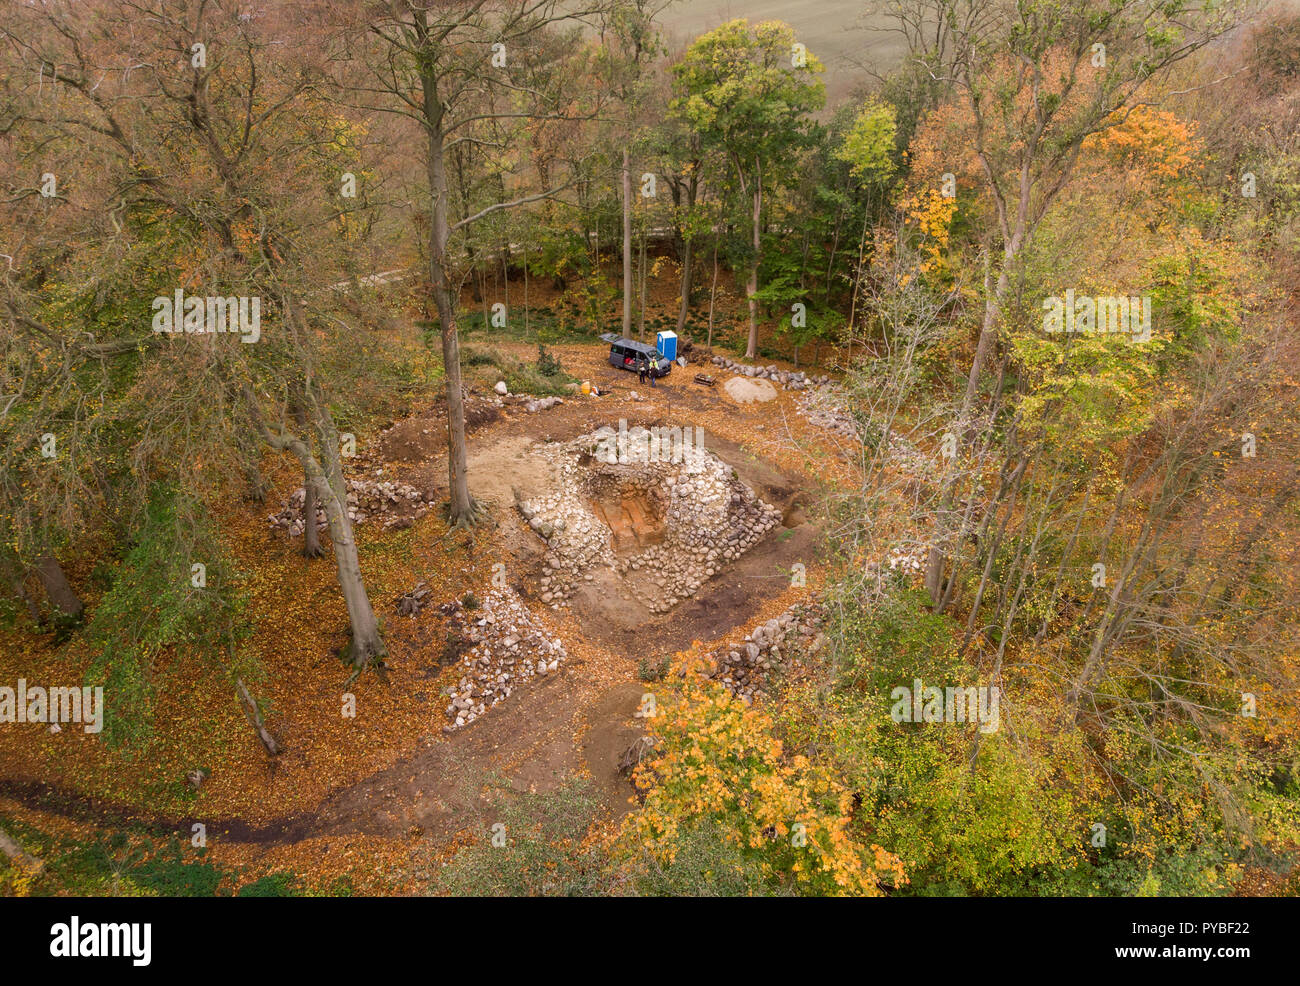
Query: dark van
<point>628,354</point>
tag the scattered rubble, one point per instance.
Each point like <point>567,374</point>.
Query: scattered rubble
<point>901,559</point>
<point>509,647</point>
<point>397,504</point>
<point>543,404</point>
<point>823,409</point>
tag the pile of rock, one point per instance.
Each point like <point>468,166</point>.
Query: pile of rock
<point>704,517</point>
<point>529,403</point>
<point>290,518</point>
<point>510,646</point>
<point>397,504</point>
<point>824,410</point>
<point>789,379</point>
<point>907,559</point>
<point>542,404</point>
<point>910,458</point>
<point>744,669</point>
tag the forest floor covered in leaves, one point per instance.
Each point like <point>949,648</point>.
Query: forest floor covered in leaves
<point>364,798</point>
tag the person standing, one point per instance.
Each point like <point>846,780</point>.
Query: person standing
<point>640,370</point>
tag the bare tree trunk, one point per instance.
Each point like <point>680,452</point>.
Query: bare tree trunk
<point>255,718</point>
<point>713,291</point>
<point>256,485</point>
<point>367,645</point>
<point>460,512</point>
<point>988,331</point>
<point>751,288</point>
<point>991,550</point>
<point>835,246</point>
<point>504,283</point>
<point>962,427</point>
<point>627,244</point>
<point>690,191</point>
<point>640,323</point>
<point>857,285</point>
<point>596,276</point>
<point>61,594</point>
<point>311,546</point>
<point>331,488</point>
<point>475,291</point>
<point>686,289</point>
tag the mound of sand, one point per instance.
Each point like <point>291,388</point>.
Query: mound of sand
<point>744,389</point>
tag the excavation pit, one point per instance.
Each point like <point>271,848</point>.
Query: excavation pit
<point>642,516</point>
<point>633,521</point>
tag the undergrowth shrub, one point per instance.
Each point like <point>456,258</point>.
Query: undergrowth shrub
<point>532,845</point>
<point>153,607</point>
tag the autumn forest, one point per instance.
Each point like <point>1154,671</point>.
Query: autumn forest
<point>553,448</point>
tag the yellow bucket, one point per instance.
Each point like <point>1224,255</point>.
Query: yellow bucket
<point>586,386</point>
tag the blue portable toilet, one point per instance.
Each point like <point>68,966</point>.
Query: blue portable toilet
<point>666,343</point>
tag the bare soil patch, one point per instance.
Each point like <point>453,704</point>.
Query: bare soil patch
<point>744,390</point>
<point>609,609</point>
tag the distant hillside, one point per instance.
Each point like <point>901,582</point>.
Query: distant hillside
<point>837,31</point>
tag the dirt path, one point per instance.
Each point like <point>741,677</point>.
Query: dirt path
<point>558,726</point>
<point>532,741</point>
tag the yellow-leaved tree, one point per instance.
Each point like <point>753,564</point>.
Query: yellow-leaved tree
<point>720,769</point>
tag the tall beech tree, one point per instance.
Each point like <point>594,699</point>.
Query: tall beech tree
<point>459,71</point>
